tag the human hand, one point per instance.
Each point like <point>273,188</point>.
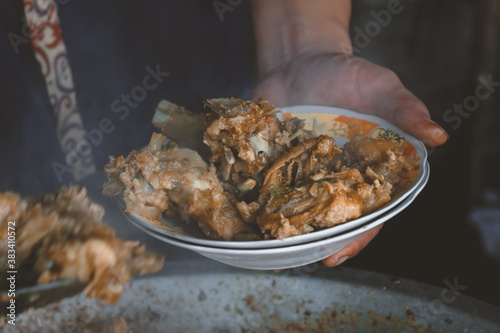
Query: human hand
<point>305,57</point>
<point>350,82</point>
<point>353,83</point>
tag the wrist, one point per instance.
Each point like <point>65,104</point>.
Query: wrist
<point>287,29</point>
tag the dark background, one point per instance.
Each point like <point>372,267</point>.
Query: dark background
<point>437,48</point>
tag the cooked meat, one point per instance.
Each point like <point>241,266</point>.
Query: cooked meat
<point>265,172</point>
<point>62,235</point>
<point>246,137</point>
<point>334,199</point>
<point>156,180</point>
<point>381,155</point>
<point>216,214</point>
<point>129,175</point>
<point>37,217</point>
<point>182,126</point>
<point>301,163</point>
<point>14,208</point>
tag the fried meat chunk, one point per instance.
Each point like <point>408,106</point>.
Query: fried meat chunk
<point>246,137</point>
<point>307,160</point>
<point>301,162</point>
<point>381,155</point>
<point>62,236</point>
<point>335,199</point>
<point>174,179</point>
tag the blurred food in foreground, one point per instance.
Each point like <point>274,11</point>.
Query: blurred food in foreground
<point>61,236</point>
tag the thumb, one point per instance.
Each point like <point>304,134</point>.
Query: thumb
<point>411,115</point>
<point>388,98</point>
<point>271,89</point>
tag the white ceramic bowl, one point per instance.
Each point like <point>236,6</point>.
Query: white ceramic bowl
<point>339,123</point>
<point>292,255</point>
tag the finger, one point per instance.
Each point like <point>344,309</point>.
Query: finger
<point>271,89</point>
<point>352,249</point>
<point>410,114</point>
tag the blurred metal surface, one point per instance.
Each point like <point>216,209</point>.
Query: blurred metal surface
<point>40,295</point>
<point>193,298</point>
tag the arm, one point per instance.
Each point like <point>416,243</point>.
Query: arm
<point>305,57</point>
<point>286,28</point>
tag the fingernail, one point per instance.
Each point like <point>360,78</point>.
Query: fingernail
<point>341,260</point>
<point>441,129</point>
<point>439,126</point>
<point>432,122</point>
